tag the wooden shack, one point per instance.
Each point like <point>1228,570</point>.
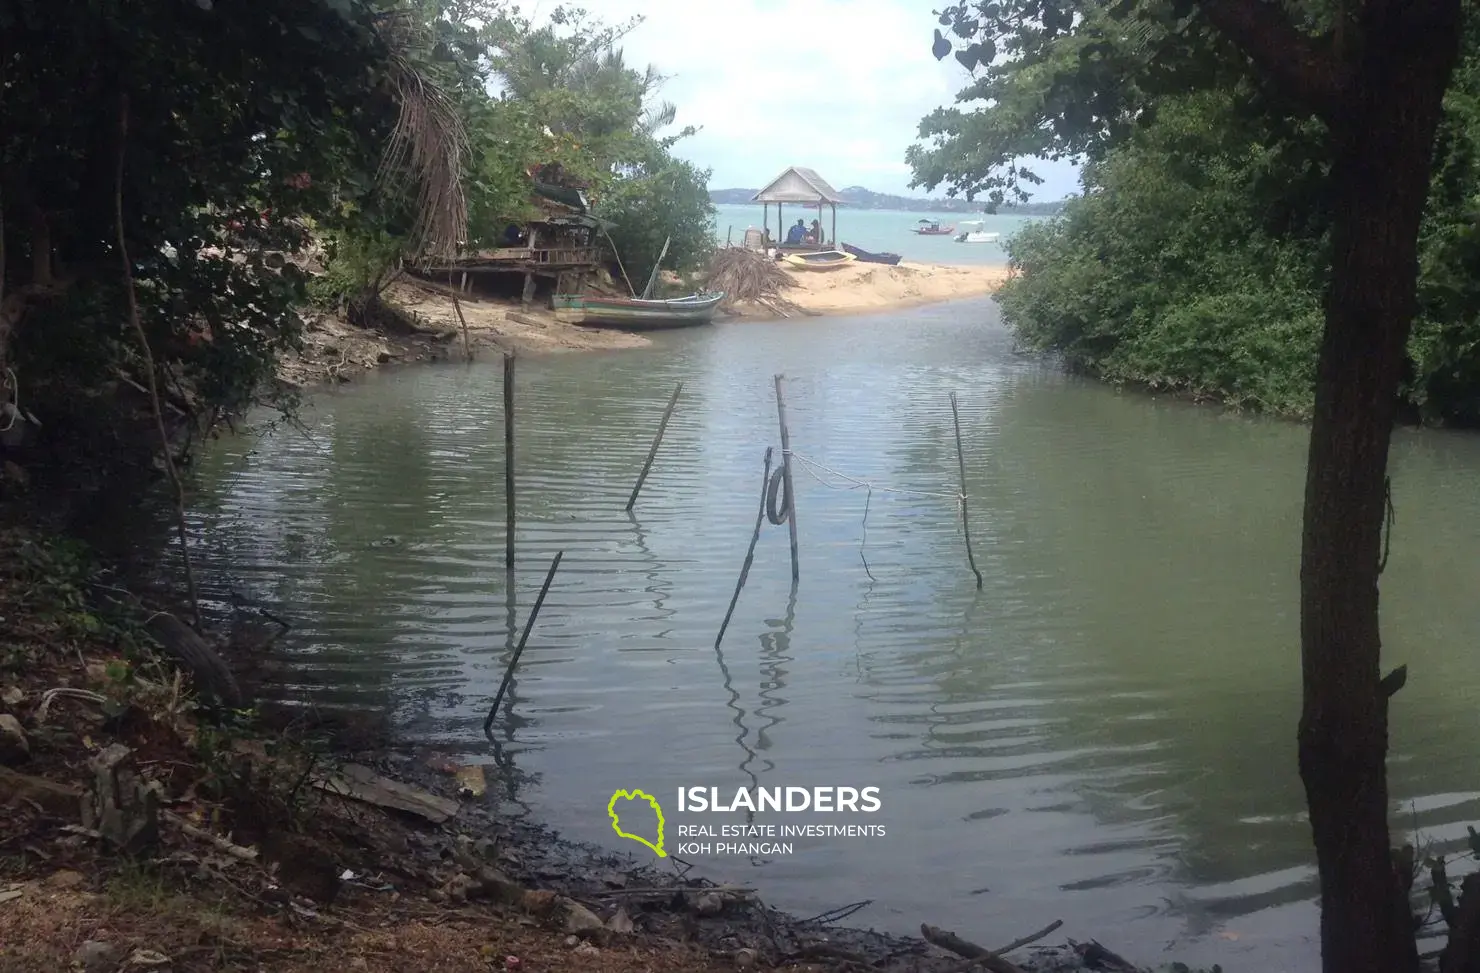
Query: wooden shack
<point>563,245</point>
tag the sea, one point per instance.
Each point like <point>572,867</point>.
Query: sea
<point>883,230</point>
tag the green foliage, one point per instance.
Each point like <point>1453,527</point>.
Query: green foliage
<point>1168,271</point>
<point>1196,258</point>
<point>660,198</point>
<point>242,119</point>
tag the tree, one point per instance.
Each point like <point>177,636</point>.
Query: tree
<point>1075,78</point>
<point>655,199</point>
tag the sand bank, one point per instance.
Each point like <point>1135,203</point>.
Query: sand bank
<point>335,350</point>
<point>861,288</point>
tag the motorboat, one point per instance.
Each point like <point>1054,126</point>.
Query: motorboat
<point>978,235</point>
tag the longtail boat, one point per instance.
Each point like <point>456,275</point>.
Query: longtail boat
<point>933,228</point>
<point>636,314</point>
<point>869,257</point>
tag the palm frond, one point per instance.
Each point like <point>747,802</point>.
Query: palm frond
<point>428,147</point>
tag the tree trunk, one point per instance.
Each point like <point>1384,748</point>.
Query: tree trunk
<point>1384,144</point>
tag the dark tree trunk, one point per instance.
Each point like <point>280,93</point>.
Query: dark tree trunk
<point>1383,127</point>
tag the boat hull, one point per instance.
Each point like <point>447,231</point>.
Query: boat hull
<point>633,314</point>
<point>868,257</point>
<point>826,260</point>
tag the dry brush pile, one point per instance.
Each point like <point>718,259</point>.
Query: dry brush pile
<point>747,276</point>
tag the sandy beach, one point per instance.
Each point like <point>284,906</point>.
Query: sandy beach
<point>861,288</point>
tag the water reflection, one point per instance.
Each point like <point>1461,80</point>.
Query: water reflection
<point>1105,731</point>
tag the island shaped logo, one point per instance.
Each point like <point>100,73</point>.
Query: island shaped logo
<point>615,814</point>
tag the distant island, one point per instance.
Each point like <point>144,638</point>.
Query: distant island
<point>861,198</point>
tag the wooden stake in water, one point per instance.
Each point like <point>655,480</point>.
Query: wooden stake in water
<point>509,461</point>
<point>791,496</point>
<point>961,462</point>
<point>519,649</point>
<point>657,441</point>
<point>457,306</point>
<point>760,517</point>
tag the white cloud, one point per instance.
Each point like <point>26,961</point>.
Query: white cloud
<point>837,85</point>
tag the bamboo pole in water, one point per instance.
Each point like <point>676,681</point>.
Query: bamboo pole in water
<point>791,497</point>
<point>509,461</point>
<point>519,649</point>
<point>457,306</point>
<point>961,462</point>
<point>657,441</point>
<point>750,554</point>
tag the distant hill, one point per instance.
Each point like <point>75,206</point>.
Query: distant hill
<point>861,198</point>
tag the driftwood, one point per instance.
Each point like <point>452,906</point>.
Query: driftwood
<point>972,964</point>
<point>1095,956</point>
<point>216,841</point>
<point>207,668</point>
<point>60,800</point>
<point>358,783</point>
<point>948,940</point>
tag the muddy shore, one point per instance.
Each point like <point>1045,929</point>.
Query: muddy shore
<point>334,350</point>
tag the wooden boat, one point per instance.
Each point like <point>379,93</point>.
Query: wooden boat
<point>635,314</point>
<point>868,257</point>
<point>819,260</point>
<point>933,228</point>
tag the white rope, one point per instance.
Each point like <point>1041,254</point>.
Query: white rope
<point>808,463</point>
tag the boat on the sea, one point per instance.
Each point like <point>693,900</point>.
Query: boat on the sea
<point>869,257</point>
<point>978,235</point>
<point>818,260</point>
<point>636,314</point>
<point>933,228</point>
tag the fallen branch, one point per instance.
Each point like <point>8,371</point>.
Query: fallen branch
<point>133,314</point>
<point>979,955</point>
<point>1015,944</point>
<point>216,841</point>
<point>670,890</point>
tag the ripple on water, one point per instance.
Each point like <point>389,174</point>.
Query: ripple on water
<point>1104,731</point>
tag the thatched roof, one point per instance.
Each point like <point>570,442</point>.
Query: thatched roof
<point>798,185</point>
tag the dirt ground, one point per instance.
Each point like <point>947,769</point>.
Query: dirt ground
<point>335,350</point>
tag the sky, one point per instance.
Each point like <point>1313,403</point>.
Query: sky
<point>836,85</point>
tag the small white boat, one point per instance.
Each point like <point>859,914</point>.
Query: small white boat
<point>819,260</point>
<point>977,235</point>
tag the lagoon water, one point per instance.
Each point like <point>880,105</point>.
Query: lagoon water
<point>1104,733</point>
<point>884,231</point>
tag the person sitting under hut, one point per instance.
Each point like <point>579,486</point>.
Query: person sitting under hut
<point>797,233</point>
<point>816,234</point>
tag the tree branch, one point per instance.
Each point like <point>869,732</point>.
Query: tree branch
<point>154,400</point>
<point>1262,30</point>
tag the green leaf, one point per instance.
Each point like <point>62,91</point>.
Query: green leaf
<point>941,47</point>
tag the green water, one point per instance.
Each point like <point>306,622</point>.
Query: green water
<point>1103,734</point>
<point>883,231</point>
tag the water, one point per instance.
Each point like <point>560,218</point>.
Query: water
<point>884,231</point>
<point>1103,734</point>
